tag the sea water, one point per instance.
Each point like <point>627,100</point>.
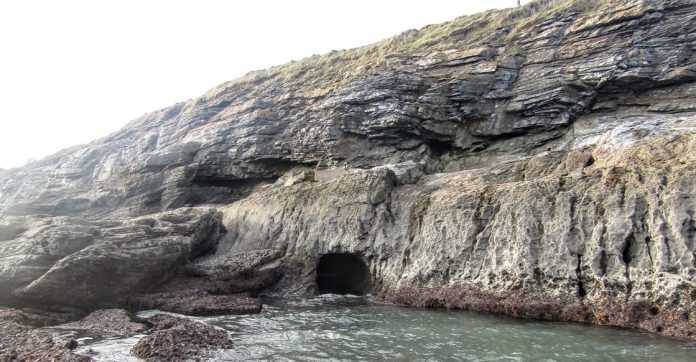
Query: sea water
<point>350,328</point>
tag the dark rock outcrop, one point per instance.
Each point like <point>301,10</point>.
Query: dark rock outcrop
<point>198,303</point>
<point>536,161</point>
<point>90,263</point>
<point>107,322</point>
<point>20,340</point>
<point>179,339</point>
<point>216,285</point>
<point>248,271</point>
<point>35,317</point>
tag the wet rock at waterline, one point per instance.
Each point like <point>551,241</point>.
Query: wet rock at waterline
<point>162,336</point>
<point>36,317</point>
<point>107,322</point>
<point>21,340</point>
<point>197,303</point>
<point>178,339</point>
<point>215,285</point>
<point>539,165</point>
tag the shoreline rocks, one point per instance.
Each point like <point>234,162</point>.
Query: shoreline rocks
<point>176,338</point>
<point>29,335</point>
<point>20,338</point>
<point>197,303</point>
<point>107,322</point>
<point>526,305</point>
<point>547,159</point>
<point>88,264</point>
<point>215,285</point>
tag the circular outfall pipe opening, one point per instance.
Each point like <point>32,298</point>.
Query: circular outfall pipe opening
<point>342,274</point>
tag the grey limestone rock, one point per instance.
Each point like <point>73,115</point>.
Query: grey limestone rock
<point>608,241</point>
<point>99,263</point>
<point>536,162</point>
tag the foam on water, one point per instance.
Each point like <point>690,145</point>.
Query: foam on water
<point>349,328</point>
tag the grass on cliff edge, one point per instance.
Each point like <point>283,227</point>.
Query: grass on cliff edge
<point>494,27</point>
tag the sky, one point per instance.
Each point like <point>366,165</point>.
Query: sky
<point>73,71</point>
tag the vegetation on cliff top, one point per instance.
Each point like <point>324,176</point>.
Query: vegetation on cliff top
<point>497,28</point>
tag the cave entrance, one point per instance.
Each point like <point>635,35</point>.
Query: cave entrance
<point>342,274</point>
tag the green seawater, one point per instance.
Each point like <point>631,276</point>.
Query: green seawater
<point>347,328</point>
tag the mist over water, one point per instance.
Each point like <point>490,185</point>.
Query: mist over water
<point>346,328</point>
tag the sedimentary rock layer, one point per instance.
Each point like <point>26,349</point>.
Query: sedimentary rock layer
<point>535,161</point>
<point>602,234</point>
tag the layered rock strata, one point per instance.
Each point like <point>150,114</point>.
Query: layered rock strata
<point>536,162</point>
<point>600,234</point>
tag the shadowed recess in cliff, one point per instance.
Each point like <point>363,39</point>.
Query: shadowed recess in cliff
<point>342,274</point>
<point>233,183</point>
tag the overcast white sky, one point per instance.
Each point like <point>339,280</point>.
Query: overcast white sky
<point>72,71</point>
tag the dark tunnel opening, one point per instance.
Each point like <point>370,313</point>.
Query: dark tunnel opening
<point>342,274</point>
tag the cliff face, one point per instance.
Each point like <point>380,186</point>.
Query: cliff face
<point>546,237</point>
<point>535,162</point>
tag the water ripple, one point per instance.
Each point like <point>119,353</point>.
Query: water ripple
<point>339,328</point>
<point>336,328</point>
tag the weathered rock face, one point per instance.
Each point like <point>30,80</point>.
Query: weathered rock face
<point>601,234</point>
<point>216,285</point>
<point>536,162</point>
<point>484,96</point>
<point>82,262</point>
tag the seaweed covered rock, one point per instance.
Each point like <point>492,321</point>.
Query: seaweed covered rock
<point>178,339</point>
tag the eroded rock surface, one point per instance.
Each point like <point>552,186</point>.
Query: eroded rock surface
<point>536,162</point>
<point>180,339</point>
<point>197,303</point>
<point>22,341</point>
<point>35,317</point>
<point>216,285</point>
<point>91,263</point>
<point>107,322</point>
<point>552,236</point>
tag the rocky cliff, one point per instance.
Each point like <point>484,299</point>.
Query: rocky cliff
<point>537,162</point>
